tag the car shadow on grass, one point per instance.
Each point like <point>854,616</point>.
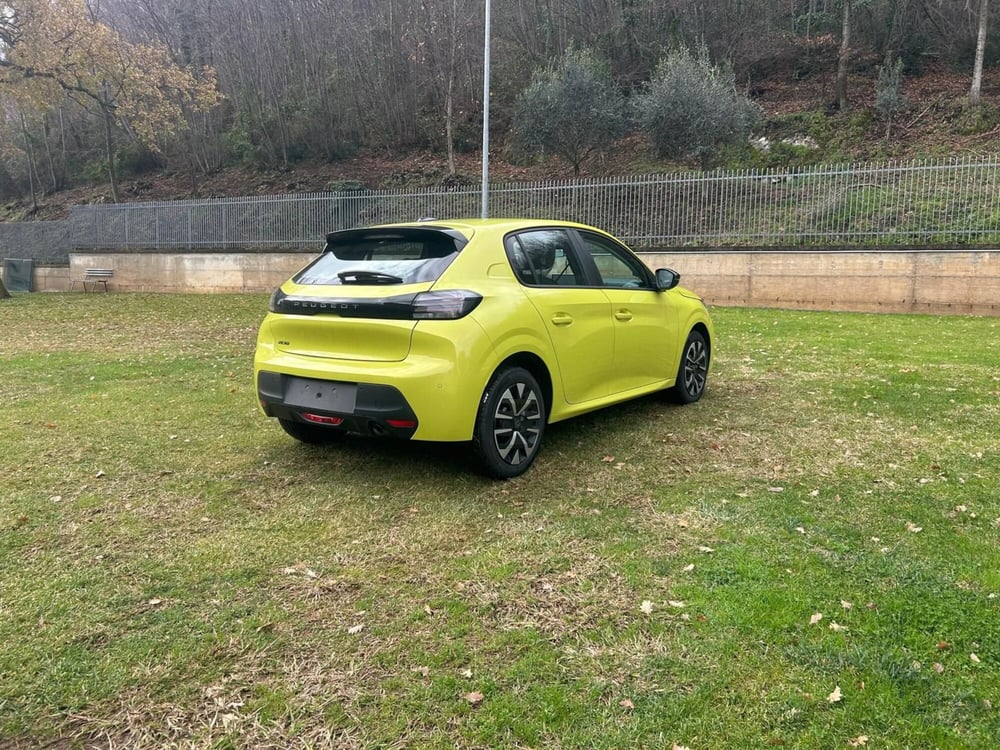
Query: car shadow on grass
<point>364,457</point>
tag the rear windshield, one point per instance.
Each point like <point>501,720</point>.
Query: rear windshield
<point>376,257</point>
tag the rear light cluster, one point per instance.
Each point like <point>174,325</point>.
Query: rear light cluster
<point>444,305</point>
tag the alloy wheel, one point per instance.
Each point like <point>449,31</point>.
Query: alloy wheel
<point>695,366</point>
<point>517,423</point>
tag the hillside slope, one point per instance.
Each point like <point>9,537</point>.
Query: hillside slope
<point>936,123</point>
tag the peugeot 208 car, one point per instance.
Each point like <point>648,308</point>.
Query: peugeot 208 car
<point>482,331</point>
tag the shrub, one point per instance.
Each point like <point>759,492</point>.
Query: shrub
<point>572,108</point>
<point>691,107</point>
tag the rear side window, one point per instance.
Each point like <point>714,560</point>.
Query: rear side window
<point>542,257</point>
<point>377,257</point>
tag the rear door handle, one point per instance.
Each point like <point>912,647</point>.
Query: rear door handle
<point>623,315</point>
<point>561,319</point>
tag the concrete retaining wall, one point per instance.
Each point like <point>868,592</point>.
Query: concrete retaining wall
<point>192,272</point>
<point>952,281</point>
<point>946,281</point>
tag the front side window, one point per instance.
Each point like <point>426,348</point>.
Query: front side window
<point>616,266</point>
<point>542,257</point>
<point>376,257</point>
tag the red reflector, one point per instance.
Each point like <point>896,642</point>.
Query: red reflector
<point>401,423</point>
<point>320,419</point>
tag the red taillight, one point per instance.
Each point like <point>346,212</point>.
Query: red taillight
<point>401,424</point>
<point>321,419</point>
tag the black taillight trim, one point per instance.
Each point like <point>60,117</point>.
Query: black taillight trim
<point>399,307</point>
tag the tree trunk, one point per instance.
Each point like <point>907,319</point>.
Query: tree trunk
<point>449,99</point>
<point>842,59</point>
<point>30,153</point>
<point>977,69</point>
<point>4,294</point>
<point>109,151</point>
<point>46,134</point>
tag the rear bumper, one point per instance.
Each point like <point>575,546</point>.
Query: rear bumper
<point>371,409</point>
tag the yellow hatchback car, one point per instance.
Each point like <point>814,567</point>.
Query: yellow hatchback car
<point>479,330</point>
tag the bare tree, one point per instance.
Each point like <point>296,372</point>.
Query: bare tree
<point>843,58</point>
<point>977,68</point>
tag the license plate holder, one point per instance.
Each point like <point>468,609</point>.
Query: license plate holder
<point>322,395</point>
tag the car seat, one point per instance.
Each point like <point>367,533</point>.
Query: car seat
<point>535,262</point>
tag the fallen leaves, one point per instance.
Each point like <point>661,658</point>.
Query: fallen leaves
<point>815,618</point>
<point>300,569</point>
<point>646,607</point>
<point>859,741</point>
<point>836,696</point>
<point>474,698</point>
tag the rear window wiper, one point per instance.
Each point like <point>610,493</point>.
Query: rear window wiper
<point>368,277</point>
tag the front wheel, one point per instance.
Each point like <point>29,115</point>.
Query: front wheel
<point>510,423</point>
<point>693,371</point>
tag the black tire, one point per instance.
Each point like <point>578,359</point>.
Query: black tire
<point>692,374</point>
<point>510,423</point>
<point>310,433</point>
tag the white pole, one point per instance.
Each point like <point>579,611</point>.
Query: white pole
<point>486,115</point>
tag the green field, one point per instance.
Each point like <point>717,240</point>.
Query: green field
<point>177,572</point>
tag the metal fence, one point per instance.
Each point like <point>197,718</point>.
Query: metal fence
<point>930,202</point>
<point>46,242</point>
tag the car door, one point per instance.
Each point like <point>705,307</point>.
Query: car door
<point>577,317</point>
<point>644,319</point>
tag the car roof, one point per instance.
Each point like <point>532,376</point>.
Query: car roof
<point>466,228</point>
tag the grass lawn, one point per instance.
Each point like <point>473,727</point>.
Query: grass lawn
<point>808,558</point>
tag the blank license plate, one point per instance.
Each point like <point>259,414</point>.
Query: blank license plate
<point>321,394</point>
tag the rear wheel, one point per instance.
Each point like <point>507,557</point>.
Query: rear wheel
<point>510,423</point>
<point>310,433</point>
<point>692,374</point>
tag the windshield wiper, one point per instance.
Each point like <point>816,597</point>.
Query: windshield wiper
<point>368,277</point>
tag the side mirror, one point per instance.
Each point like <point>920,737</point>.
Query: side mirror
<point>666,279</point>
